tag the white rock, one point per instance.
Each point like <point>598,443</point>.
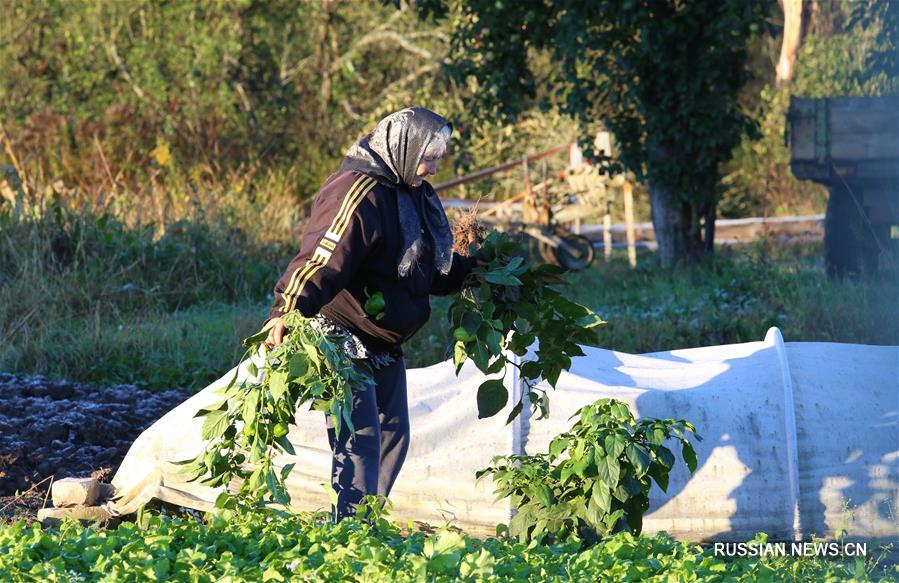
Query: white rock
<point>75,492</point>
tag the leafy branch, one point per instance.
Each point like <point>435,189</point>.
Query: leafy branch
<point>511,304</point>
<point>249,426</point>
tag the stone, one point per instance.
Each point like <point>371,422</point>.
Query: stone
<point>75,492</point>
<point>107,491</point>
<point>85,514</point>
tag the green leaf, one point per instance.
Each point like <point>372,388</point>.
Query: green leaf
<point>502,278</point>
<point>570,309</point>
<point>492,397</point>
<point>459,355</point>
<point>607,469</point>
<point>285,471</point>
<point>215,425</point>
<point>285,444</point>
<point>531,369</point>
<point>471,321</point>
<point>557,446</point>
<point>660,474</point>
<point>312,353</point>
<point>250,405</point>
<point>664,456</point>
<point>252,369</point>
<point>298,365</point>
<point>277,384</point>
<point>221,406</point>
<point>614,444</point>
<point>272,574</point>
<point>545,495</point>
<point>689,455</point>
<point>638,457</point>
<point>601,495</point>
<point>494,342</point>
<point>516,410</point>
<point>256,338</point>
<point>621,411</point>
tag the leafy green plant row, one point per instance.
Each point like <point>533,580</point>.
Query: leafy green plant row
<point>266,547</point>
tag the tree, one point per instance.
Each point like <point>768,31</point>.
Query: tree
<point>663,75</point>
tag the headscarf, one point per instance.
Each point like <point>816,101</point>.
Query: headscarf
<point>391,154</point>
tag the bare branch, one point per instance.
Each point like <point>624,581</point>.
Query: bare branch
<point>114,55</point>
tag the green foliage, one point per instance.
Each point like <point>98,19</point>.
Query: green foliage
<point>246,429</point>
<point>511,305</point>
<point>85,297</point>
<point>663,76</point>
<point>855,61</point>
<point>265,547</point>
<point>219,85</point>
<point>595,478</point>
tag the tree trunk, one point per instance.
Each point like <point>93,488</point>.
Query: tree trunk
<point>676,225</point>
<point>675,218</point>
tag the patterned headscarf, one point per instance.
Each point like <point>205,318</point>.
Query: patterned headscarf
<point>391,154</point>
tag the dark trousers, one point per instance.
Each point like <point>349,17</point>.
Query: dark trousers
<point>369,461</point>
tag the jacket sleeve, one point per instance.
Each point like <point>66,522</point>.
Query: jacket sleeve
<point>453,281</point>
<point>342,229</point>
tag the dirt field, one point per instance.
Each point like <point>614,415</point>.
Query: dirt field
<point>51,430</point>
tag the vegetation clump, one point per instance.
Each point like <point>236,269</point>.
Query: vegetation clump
<point>596,477</point>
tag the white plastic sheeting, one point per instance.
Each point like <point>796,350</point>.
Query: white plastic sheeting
<point>800,439</point>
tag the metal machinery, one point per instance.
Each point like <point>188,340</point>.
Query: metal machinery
<point>851,145</point>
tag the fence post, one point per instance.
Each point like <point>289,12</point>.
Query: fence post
<point>629,223</point>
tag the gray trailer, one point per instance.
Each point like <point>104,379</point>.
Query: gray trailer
<point>851,145</point>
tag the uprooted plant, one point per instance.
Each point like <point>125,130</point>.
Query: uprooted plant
<point>511,304</point>
<point>249,426</point>
<point>595,478</point>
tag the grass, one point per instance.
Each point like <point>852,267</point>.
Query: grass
<point>157,350</point>
<point>88,298</point>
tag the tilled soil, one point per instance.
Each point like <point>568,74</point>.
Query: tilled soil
<point>62,429</point>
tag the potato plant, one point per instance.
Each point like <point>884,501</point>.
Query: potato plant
<point>595,478</point>
<point>510,304</point>
<point>249,426</point>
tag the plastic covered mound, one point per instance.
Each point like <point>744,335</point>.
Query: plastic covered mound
<point>799,439</point>
<point>62,429</point>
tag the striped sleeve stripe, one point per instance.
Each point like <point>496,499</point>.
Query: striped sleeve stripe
<point>345,219</point>
<point>322,254</point>
<point>301,272</point>
<point>358,186</point>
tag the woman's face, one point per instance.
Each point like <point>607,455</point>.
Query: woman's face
<point>426,167</point>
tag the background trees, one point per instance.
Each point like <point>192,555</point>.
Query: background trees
<point>663,75</point>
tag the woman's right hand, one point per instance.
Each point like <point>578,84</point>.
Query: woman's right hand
<point>275,333</point>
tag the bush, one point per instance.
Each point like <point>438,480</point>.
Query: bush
<point>595,479</point>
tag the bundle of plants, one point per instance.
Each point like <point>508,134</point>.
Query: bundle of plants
<point>510,304</point>
<point>595,478</point>
<point>249,426</point>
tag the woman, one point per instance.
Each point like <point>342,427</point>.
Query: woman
<point>377,227</point>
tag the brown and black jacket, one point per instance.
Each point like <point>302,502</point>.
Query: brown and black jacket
<point>349,252</point>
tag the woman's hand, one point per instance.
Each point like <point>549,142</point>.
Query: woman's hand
<point>275,333</point>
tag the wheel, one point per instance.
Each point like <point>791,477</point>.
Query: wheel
<point>574,252</point>
<point>546,252</point>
